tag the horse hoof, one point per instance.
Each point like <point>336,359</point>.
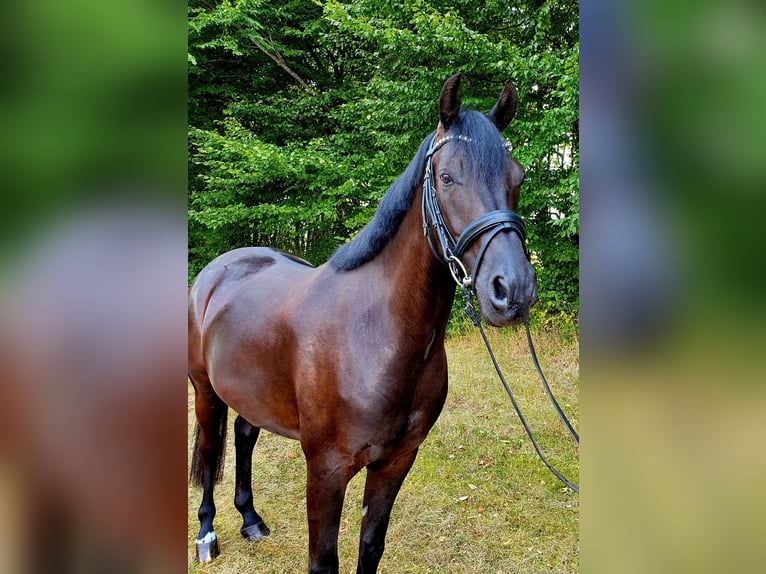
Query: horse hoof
<point>255,531</point>
<point>206,549</point>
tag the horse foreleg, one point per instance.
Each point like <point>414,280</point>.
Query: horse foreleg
<point>325,490</point>
<point>245,437</point>
<point>384,479</point>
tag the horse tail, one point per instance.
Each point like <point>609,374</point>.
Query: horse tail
<point>215,451</point>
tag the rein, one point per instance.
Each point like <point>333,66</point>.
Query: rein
<point>452,251</point>
<point>470,311</point>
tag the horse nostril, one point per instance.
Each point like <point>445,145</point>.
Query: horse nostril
<point>500,292</point>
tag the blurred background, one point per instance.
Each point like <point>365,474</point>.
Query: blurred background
<point>672,263</point>
<point>93,284</point>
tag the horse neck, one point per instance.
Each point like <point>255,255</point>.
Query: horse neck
<point>422,288</point>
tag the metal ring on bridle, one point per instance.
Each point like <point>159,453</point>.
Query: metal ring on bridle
<point>458,270</point>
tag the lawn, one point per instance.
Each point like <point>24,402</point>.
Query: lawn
<point>477,500</point>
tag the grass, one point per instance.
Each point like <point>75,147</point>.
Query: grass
<point>477,499</point>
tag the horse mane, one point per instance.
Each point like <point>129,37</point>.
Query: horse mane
<point>490,161</point>
<point>388,217</point>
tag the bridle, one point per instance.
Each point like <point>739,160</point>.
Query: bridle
<point>452,250</point>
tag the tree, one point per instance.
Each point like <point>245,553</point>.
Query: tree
<point>302,114</point>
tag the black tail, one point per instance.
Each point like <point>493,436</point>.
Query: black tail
<point>218,449</point>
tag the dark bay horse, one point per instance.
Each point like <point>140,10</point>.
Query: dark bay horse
<point>348,358</point>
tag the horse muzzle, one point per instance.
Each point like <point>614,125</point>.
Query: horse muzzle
<point>505,284</point>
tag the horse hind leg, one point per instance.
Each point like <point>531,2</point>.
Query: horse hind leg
<point>207,464</point>
<point>245,437</point>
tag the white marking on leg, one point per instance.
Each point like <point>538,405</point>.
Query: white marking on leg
<point>209,537</point>
<point>364,512</point>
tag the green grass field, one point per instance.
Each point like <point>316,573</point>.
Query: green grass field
<point>477,500</point>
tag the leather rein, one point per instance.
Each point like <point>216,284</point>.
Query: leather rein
<point>452,251</point>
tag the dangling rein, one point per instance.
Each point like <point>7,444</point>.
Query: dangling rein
<point>470,310</point>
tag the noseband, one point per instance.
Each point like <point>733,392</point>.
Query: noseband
<point>452,251</point>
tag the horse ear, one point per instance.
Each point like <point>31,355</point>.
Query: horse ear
<point>505,108</point>
<point>449,101</point>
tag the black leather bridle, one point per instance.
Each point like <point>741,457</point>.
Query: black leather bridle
<point>452,250</point>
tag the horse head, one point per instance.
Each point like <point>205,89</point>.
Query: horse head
<point>470,195</point>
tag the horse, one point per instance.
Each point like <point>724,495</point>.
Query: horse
<point>348,358</point>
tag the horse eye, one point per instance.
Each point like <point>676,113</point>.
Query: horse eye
<point>446,178</point>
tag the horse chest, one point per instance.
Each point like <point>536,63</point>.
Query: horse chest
<point>400,406</point>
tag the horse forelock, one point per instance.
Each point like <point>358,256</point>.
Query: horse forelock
<point>486,158</point>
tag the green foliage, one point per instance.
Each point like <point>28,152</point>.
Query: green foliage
<point>302,113</point>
